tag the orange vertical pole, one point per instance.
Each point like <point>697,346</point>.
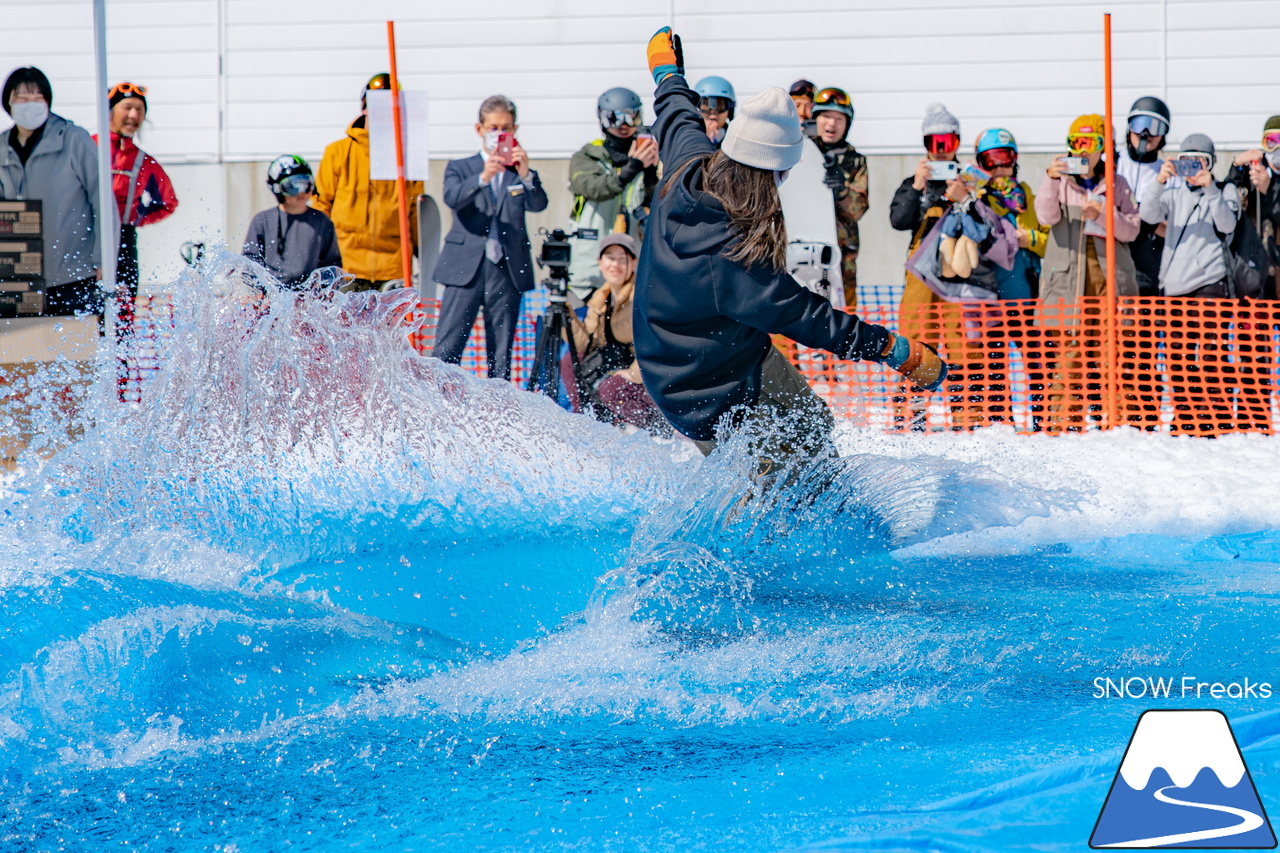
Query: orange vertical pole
<point>402,189</point>
<point>1112,330</point>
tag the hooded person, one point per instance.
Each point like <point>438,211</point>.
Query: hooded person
<point>1138,162</point>
<point>845,176</point>
<point>612,180</point>
<point>712,284</point>
<point>365,213</point>
<point>47,157</point>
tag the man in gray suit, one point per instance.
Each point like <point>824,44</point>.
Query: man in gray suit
<point>486,260</point>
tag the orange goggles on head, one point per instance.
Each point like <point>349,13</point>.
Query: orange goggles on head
<point>1085,143</point>
<point>1271,140</point>
<point>126,89</point>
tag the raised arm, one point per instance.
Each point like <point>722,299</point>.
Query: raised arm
<point>678,126</point>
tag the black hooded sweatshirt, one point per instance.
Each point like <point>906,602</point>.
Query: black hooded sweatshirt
<point>703,321</point>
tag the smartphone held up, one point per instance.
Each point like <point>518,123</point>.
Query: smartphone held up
<point>1075,165</point>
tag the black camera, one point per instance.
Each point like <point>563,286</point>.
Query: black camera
<point>557,252</point>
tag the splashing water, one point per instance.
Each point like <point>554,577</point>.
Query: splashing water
<point>317,592</point>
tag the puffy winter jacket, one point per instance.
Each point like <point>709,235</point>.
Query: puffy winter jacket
<point>703,321</point>
<point>364,212</point>
<point>62,172</point>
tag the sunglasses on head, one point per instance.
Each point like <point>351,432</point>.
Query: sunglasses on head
<point>839,97</point>
<point>996,157</point>
<point>1271,140</point>
<point>126,89</point>
<point>942,143</point>
<point>802,89</point>
<point>1150,125</point>
<point>1085,143</point>
<point>621,118</point>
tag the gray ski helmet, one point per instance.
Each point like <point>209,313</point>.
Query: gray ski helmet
<point>1199,143</point>
<point>619,106</point>
<point>1156,114</point>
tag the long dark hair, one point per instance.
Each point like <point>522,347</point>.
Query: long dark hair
<point>750,197</point>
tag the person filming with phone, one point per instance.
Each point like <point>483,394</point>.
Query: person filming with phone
<point>485,261</point>
<point>1070,202</point>
<point>922,199</point>
<point>1199,215</point>
<point>612,180</point>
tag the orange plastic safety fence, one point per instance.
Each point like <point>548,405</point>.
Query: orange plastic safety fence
<point>1199,367</point>
<point>1202,367</point>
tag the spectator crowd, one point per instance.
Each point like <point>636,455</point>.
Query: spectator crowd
<point>982,231</point>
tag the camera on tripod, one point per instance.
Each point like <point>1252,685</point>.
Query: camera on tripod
<point>556,254</point>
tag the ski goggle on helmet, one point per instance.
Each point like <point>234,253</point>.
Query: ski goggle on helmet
<point>1085,143</point>
<point>714,105</point>
<point>995,148</point>
<point>296,185</point>
<point>1271,140</point>
<point>942,144</point>
<point>1148,124</point>
<point>621,118</point>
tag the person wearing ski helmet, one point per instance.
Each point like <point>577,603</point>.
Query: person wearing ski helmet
<point>716,102</point>
<point>1074,266</point>
<point>365,213</point>
<point>292,240</point>
<point>1012,200</point>
<point>612,179</point>
<point>1200,214</point>
<point>802,92</point>
<point>1139,163</point>
<point>845,176</point>
<point>45,156</point>
<point>1256,173</point>
<point>712,284</point>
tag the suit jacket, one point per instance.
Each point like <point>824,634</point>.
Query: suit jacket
<point>472,209</point>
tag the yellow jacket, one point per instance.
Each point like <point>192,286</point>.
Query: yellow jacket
<point>364,212</point>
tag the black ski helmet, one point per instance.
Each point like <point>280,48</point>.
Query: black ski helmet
<point>1152,117</point>
<point>619,105</point>
<point>289,175</point>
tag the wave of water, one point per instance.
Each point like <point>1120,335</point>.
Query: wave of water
<point>311,552</point>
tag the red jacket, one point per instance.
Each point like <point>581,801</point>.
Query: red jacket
<point>154,198</point>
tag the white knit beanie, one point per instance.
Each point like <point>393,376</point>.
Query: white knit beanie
<point>765,132</point>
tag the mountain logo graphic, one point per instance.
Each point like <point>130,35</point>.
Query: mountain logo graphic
<point>1183,784</point>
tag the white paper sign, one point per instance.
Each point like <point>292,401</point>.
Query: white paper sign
<point>382,141</point>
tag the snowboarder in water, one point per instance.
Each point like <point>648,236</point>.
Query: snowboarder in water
<point>712,282</point>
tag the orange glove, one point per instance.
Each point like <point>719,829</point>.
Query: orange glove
<point>918,362</point>
<point>665,55</point>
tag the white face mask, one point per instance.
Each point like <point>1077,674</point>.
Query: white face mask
<point>1273,160</point>
<point>29,115</point>
<point>491,139</point>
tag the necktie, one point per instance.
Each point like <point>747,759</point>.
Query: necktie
<point>493,246</point>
